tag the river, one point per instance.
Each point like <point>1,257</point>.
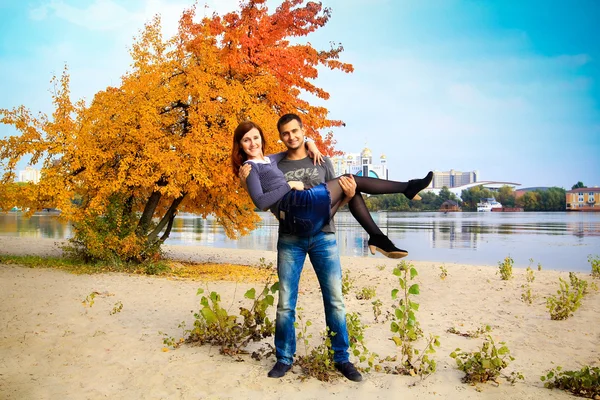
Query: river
<point>556,240</point>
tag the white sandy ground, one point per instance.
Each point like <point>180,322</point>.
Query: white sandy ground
<point>52,347</point>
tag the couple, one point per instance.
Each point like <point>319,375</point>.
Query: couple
<point>277,183</point>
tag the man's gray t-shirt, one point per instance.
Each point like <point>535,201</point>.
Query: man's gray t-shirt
<point>311,175</point>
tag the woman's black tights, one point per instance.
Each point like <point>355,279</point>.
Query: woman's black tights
<point>357,205</point>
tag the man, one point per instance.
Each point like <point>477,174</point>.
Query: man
<point>322,251</point>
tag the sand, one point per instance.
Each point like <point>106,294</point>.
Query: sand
<point>52,346</point>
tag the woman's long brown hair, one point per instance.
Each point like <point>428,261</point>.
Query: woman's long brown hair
<point>238,156</point>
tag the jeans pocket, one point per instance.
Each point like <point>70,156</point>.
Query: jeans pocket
<point>300,226</point>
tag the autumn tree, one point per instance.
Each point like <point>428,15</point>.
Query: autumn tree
<point>506,196</point>
<point>122,167</point>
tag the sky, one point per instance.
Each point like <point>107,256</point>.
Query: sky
<point>510,89</point>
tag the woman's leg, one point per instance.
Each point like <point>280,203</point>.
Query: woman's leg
<point>358,208</point>
<point>375,186</point>
<point>381,186</point>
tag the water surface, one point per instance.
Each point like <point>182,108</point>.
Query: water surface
<point>558,240</point>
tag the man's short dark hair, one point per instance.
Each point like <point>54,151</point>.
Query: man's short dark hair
<point>288,118</point>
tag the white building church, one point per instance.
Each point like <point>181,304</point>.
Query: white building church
<point>360,164</point>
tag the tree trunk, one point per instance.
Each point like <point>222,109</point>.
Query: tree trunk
<point>146,217</point>
<point>170,214</point>
<point>168,230</point>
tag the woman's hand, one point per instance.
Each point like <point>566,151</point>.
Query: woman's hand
<point>314,153</point>
<point>243,174</point>
<point>296,185</point>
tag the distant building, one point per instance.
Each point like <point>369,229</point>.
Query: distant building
<point>450,205</point>
<point>453,178</point>
<point>30,174</point>
<point>583,199</point>
<point>493,186</point>
<point>360,165</point>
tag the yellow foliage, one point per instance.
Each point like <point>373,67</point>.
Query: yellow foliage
<point>160,142</point>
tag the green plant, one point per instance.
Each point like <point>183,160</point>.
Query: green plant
<point>584,383</point>
<point>380,267</point>
<point>263,264</point>
<point>471,334</point>
<point>170,341</point>
<point>356,340</point>
<point>151,267</point>
<point>566,303</point>
<point>117,308</point>
<point>505,268</point>
<point>443,273</point>
<point>405,323</point>
<point>420,363</point>
<point>595,263</point>
<point>89,299</point>
<point>377,309</point>
<point>486,364</point>
<point>405,328</point>
<point>213,324</point>
<point>316,362</point>
<point>527,295</point>
<point>347,283</point>
<point>366,293</point>
<point>529,275</point>
<point>578,284</point>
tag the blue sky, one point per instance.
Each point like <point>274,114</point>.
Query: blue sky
<point>511,89</point>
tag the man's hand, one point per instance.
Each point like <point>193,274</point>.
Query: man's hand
<point>348,185</point>
<point>243,174</point>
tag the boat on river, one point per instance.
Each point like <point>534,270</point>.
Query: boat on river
<point>488,204</point>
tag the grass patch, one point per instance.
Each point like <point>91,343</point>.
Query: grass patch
<point>163,268</point>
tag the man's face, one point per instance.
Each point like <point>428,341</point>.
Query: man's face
<point>292,135</point>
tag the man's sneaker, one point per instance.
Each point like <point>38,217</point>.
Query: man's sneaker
<point>278,370</point>
<point>349,371</point>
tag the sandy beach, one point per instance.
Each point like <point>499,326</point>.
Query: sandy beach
<point>54,347</point>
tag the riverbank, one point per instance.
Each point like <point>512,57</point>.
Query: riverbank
<point>52,346</point>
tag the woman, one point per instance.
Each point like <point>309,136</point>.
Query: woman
<point>304,212</point>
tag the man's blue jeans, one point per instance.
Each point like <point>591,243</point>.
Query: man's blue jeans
<point>324,256</point>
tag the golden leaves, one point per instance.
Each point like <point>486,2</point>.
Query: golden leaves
<point>167,127</point>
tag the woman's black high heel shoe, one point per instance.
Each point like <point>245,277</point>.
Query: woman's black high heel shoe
<point>416,185</point>
<point>384,245</point>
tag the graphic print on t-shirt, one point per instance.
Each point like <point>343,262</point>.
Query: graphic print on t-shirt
<point>308,176</point>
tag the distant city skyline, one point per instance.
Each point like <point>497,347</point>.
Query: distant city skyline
<point>498,87</point>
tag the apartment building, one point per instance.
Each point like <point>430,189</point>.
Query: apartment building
<point>583,199</point>
<point>453,178</point>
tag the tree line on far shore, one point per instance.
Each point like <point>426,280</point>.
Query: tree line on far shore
<point>550,199</point>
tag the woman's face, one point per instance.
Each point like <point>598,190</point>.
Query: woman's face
<point>251,143</point>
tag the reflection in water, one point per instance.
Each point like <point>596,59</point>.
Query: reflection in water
<point>40,225</point>
<point>556,240</point>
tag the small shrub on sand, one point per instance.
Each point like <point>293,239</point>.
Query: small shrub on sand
<point>595,263</point>
<point>584,383</point>
<point>486,364</point>
<point>566,301</point>
<point>505,268</point>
